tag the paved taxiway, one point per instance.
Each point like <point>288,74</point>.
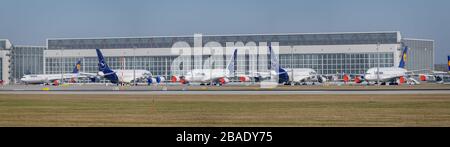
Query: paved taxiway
<point>227,90</point>
<point>372,92</point>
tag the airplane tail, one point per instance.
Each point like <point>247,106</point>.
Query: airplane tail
<point>77,67</point>
<point>448,60</point>
<point>103,67</point>
<point>403,58</point>
<point>273,60</point>
<point>230,66</point>
<point>283,76</point>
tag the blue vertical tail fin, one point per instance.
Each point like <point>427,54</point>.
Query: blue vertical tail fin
<point>403,59</point>
<point>77,67</point>
<point>103,67</point>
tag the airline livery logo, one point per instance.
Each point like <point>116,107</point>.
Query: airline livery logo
<point>448,63</point>
<point>404,56</point>
<point>78,66</point>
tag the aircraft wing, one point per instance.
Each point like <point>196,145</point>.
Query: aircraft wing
<point>65,77</point>
<point>417,72</point>
<point>87,74</point>
<point>425,71</point>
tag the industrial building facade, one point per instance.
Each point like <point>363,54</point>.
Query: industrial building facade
<point>327,53</point>
<point>5,48</point>
<point>421,54</point>
<point>26,60</point>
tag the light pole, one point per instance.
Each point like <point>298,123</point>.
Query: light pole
<point>292,65</point>
<point>378,66</point>
<point>210,66</point>
<point>270,63</point>
<point>134,65</point>
<point>61,65</point>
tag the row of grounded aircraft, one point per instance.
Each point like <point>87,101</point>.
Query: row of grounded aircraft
<point>300,76</point>
<point>287,76</point>
<point>114,76</point>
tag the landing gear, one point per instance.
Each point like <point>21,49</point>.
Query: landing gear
<point>133,83</point>
<point>287,83</point>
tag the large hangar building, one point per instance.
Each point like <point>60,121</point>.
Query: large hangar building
<point>327,53</point>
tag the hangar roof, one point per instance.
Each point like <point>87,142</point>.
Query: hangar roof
<point>284,39</point>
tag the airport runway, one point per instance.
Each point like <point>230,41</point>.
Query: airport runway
<point>230,90</point>
<point>372,92</point>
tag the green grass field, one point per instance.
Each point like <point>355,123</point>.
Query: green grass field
<point>224,110</point>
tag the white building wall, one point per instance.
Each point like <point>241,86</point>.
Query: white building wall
<point>4,55</point>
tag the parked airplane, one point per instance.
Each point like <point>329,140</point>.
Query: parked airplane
<point>124,76</point>
<point>446,77</point>
<point>391,74</point>
<point>53,78</point>
<point>287,76</point>
<point>300,76</point>
<point>297,76</point>
<point>209,76</point>
<point>435,76</point>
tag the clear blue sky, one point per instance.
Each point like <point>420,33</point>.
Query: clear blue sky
<point>30,22</point>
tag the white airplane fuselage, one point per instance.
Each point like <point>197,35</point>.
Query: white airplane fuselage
<point>47,78</point>
<point>385,74</point>
<point>301,74</point>
<point>127,76</point>
<point>206,75</point>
